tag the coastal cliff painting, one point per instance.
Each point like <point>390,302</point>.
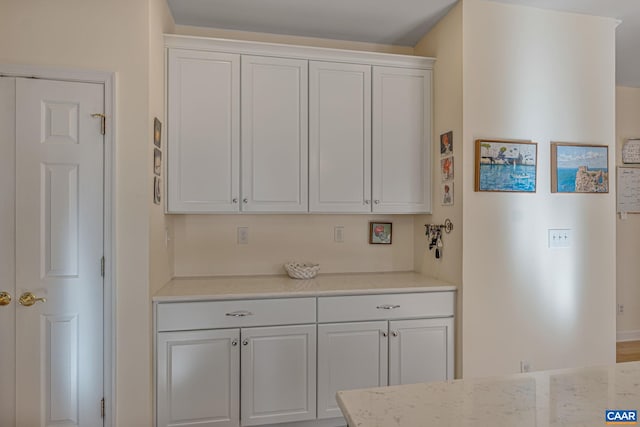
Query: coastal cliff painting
<point>506,165</point>
<point>579,168</point>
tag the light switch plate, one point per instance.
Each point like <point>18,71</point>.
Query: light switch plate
<point>560,237</point>
<point>243,235</point>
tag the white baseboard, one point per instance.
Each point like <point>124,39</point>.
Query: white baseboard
<point>628,336</point>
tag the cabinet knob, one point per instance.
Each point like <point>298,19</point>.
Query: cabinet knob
<point>377,202</point>
<point>394,333</point>
<point>5,298</point>
<point>245,342</point>
<point>234,343</point>
<point>366,202</point>
<point>384,333</point>
<point>245,200</point>
<point>235,200</point>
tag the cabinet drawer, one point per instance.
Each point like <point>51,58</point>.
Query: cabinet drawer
<point>230,314</point>
<point>385,306</point>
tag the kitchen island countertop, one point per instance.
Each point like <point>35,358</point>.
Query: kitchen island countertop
<point>239,287</point>
<point>559,398</point>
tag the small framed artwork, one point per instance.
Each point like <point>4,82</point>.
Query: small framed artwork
<point>157,161</point>
<point>380,233</point>
<point>631,151</point>
<point>579,168</point>
<point>157,132</point>
<point>506,165</point>
<point>447,194</point>
<point>446,144</point>
<point>446,168</point>
<point>157,190</point>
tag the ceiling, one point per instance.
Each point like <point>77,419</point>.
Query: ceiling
<point>397,22</point>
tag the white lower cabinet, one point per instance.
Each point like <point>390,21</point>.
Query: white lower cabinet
<point>420,350</point>
<point>198,378</point>
<point>282,360</point>
<point>278,374</point>
<point>350,355</point>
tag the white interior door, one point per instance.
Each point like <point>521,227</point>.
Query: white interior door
<point>58,226</point>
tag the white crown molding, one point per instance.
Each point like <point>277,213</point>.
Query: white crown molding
<point>243,47</point>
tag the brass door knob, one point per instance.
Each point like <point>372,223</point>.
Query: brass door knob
<point>5,298</point>
<point>28,299</point>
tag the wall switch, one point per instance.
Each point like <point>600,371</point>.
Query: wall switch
<point>525,366</point>
<point>338,234</point>
<point>243,235</point>
<point>560,237</point>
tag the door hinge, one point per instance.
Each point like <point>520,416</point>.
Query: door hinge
<point>103,119</point>
<point>102,266</point>
<point>102,408</point>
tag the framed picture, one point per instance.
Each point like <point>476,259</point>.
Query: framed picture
<point>157,132</point>
<point>380,233</point>
<point>506,165</point>
<point>157,161</point>
<point>446,168</point>
<point>579,168</point>
<point>446,194</point>
<point>157,190</point>
<point>446,144</point>
<point>631,151</point>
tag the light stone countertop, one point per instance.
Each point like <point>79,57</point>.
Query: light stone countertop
<point>242,287</point>
<point>560,398</point>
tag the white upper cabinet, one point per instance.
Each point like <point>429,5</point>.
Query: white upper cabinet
<point>401,140</point>
<point>203,131</point>
<point>259,127</point>
<point>274,134</point>
<point>339,137</point>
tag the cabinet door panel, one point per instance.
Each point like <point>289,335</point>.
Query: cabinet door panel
<point>420,350</point>
<point>198,378</point>
<point>278,374</point>
<point>401,148</point>
<point>350,356</point>
<point>203,142</point>
<point>274,134</point>
<point>339,137</point>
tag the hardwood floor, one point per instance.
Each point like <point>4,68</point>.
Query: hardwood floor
<point>627,351</point>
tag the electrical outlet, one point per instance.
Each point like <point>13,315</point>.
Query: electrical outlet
<point>560,237</point>
<point>243,235</point>
<point>338,234</point>
<point>525,366</point>
<point>620,308</point>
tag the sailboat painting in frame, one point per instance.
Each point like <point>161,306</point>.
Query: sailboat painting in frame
<point>506,165</point>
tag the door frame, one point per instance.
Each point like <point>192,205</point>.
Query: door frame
<point>108,80</point>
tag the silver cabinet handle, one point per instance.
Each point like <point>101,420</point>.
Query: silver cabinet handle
<point>377,202</point>
<point>245,342</point>
<point>388,306</point>
<point>234,343</point>
<point>394,333</point>
<point>384,333</point>
<point>239,313</point>
<point>245,200</point>
<point>235,200</point>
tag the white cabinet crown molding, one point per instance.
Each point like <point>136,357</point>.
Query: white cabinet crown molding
<point>297,52</point>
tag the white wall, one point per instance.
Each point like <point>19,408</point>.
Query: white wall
<point>207,244</point>
<point>160,225</point>
<point>628,230</point>
<point>444,42</point>
<point>545,76</point>
<point>107,36</point>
